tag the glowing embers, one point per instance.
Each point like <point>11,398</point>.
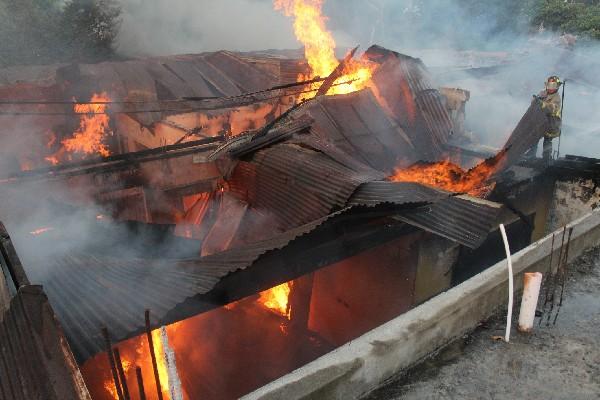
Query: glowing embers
<point>449,176</point>
<point>277,299</point>
<point>39,231</point>
<point>319,48</point>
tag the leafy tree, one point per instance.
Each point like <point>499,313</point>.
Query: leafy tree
<point>577,17</point>
<point>50,31</point>
<point>90,28</point>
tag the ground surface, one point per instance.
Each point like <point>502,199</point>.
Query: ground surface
<point>555,362</point>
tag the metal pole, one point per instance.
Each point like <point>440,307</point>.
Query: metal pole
<point>111,361</point>
<point>140,382</point>
<point>562,104</point>
<point>153,356</point>
<point>121,373</point>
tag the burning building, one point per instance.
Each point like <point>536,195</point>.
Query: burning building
<point>243,214</point>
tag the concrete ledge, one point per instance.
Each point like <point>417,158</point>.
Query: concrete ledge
<point>361,365</point>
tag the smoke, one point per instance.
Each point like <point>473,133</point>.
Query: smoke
<point>486,47</point>
<point>157,27</point>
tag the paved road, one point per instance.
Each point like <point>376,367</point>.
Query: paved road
<point>556,362</point>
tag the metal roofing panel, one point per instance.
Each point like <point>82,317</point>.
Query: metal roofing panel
<point>296,185</point>
<point>399,193</point>
<point>35,361</point>
<point>89,292</point>
<point>463,219</point>
<point>357,124</point>
<point>528,132</point>
<point>246,76</point>
<point>416,104</point>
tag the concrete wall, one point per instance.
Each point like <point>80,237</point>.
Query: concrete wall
<point>364,363</point>
<point>571,200</point>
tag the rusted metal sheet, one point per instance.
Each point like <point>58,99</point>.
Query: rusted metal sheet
<point>463,219</point>
<point>358,126</point>
<point>35,360</point>
<point>295,185</point>
<point>528,132</point>
<point>398,193</point>
<point>90,292</point>
<point>404,83</point>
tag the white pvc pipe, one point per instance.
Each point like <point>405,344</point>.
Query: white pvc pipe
<point>510,283</point>
<point>532,282</point>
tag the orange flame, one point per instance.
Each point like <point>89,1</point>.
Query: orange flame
<point>142,358</point>
<point>88,138</point>
<point>319,46</point>
<point>277,299</point>
<point>449,176</point>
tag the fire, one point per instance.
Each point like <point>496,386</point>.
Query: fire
<point>277,299</point>
<point>319,47</point>
<point>449,176</point>
<point>141,357</point>
<point>39,231</point>
<point>88,138</point>
<point>161,363</point>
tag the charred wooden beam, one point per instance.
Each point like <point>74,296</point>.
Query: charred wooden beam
<point>153,356</point>
<point>111,361</point>
<point>116,162</point>
<point>140,382</point>
<point>121,372</point>
<point>11,259</point>
<point>337,73</point>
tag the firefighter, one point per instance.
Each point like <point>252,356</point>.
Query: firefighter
<point>551,103</point>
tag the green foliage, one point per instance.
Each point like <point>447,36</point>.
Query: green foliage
<point>50,31</point>
<point>581,17</point>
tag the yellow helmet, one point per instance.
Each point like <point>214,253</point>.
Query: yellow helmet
<point>552,84</point>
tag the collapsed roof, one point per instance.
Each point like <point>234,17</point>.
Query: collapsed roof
<point>321,162</point>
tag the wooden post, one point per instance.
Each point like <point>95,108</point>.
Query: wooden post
<point>140,382</point>
<point>153,356</point>
<point>111,361</point>
<point>121,373</point>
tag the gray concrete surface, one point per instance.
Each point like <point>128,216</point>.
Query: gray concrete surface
<point>555,362</point>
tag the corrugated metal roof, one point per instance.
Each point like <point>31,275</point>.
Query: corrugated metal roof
<point>381,192</point>
<point>463,219</point>
<point>357,125</point>
<point>528,132</point>
<point>413,99</point>
<point>294,185</point>
<point>35,360</point>
<point>90,292</point>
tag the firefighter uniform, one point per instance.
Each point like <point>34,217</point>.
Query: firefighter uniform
<point>551,103</point>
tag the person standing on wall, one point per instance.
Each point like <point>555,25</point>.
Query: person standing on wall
<point>551,104</point>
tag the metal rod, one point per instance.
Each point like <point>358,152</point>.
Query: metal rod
<point>121,373</point>
<point>111,361</point>
<point>140,382</point>
<point>564,275</point>
<point>555,280</point>
<point>548,279</point>
<point>153,356</point>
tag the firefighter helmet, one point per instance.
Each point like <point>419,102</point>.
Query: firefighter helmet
<point>552,84</point>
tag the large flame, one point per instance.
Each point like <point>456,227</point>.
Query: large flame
<point>277,299</point>
<point>319,46</point>
<point>449,176</point>
<point>93,126</point>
